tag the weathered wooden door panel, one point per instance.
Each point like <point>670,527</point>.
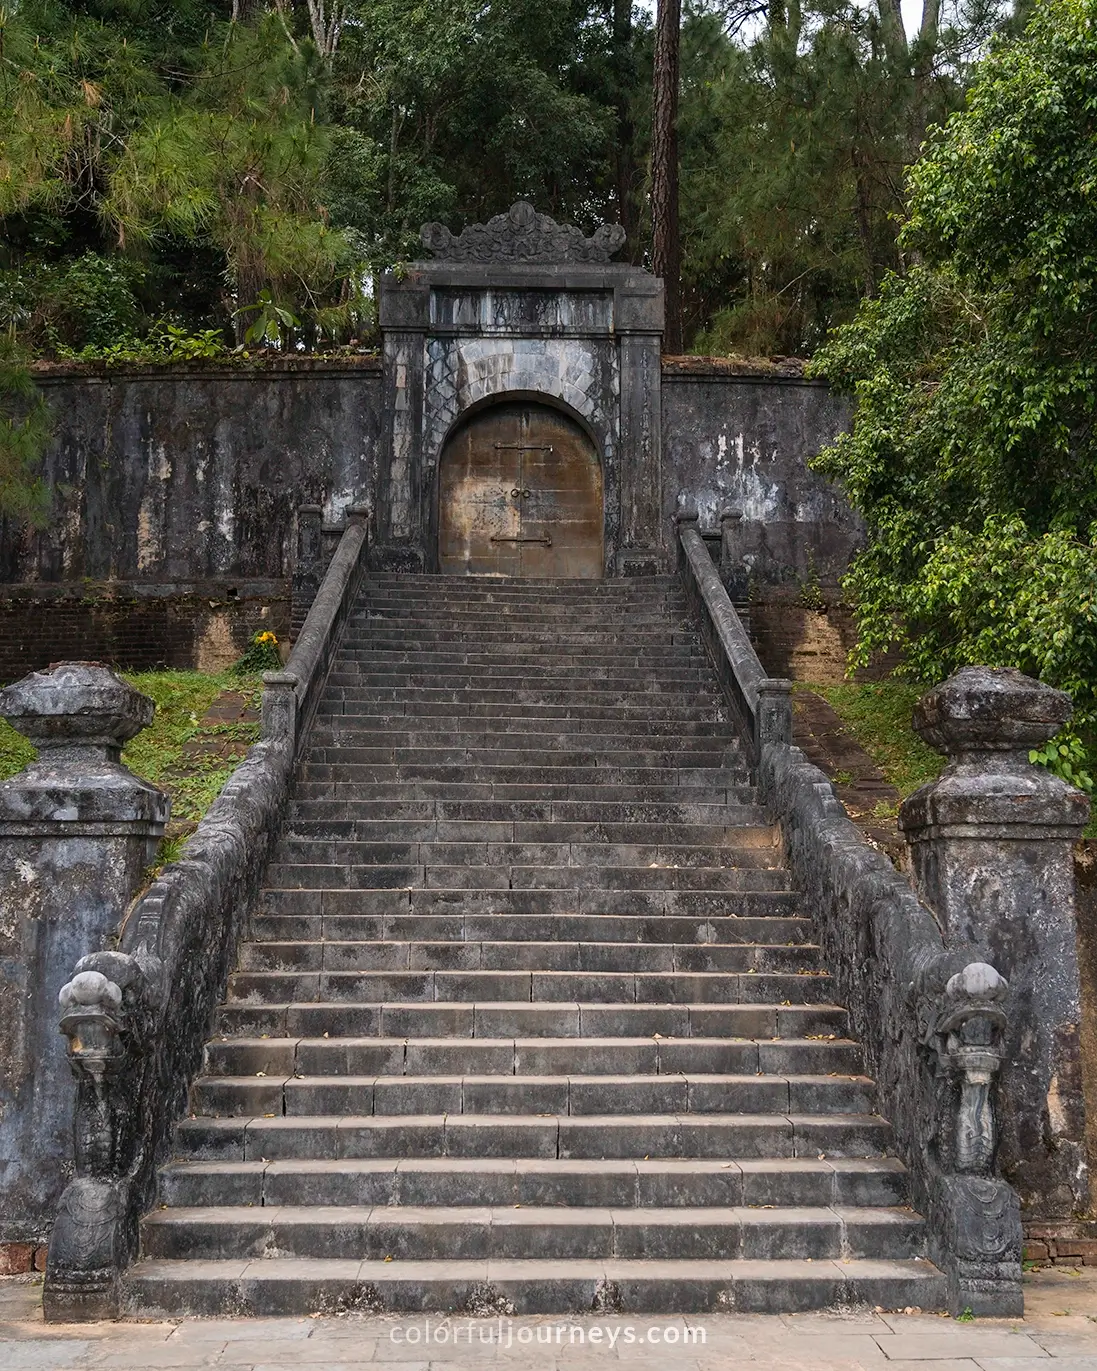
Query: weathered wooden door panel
<point>520,494</point>
<point>479,519</point>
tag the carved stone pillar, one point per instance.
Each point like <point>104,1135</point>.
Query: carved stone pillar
<point>733,570</point>
<point>308,566</point>
<point>991,844</point>
<point>77,834</point>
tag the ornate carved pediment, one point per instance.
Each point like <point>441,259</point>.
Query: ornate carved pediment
<point>522,235</point>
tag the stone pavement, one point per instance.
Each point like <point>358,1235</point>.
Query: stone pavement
<point>1059,1334</point>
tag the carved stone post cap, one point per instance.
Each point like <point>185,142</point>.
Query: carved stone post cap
<point>280,680</point>
<point>310,509</point>
<point>731,516</point>
<point>687,515</point>
<point>990,709</point>
<point>76,705</point>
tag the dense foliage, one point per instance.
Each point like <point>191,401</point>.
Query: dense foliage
<point>973,456</point>
<point>236,170</point>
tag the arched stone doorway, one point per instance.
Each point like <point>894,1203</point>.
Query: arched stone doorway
<point>520,494</point>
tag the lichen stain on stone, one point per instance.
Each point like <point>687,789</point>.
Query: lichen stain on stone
<point>214,648</point>
<point>150,515</point>
<point>1056,1113</point>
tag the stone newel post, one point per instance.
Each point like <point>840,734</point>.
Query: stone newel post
<point>991,844</point>
<point>77,833</point>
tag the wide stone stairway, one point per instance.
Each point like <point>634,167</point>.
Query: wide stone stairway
<point>529,1017</point>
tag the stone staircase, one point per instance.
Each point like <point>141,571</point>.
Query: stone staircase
<point>529,1018</point>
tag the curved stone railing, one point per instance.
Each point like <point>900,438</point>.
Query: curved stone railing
<point>136,1019</point>
<point>932,1018</point>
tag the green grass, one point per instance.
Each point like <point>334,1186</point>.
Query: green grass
<point>879,717</point>
<point>181,698</point>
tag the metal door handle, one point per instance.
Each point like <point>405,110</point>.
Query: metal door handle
<point>515,492</point>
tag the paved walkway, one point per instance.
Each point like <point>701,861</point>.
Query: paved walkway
<point>1059,1334</point>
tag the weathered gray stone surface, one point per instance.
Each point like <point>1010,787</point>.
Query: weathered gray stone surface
<point>77,832</point>
<point>743,443</point>
<point>521,307</point>
<point>136,1018</point>
<point>929,1010</point>
<point>992,849</point>
<point>177,488</point>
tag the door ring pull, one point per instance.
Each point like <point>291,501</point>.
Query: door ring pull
<point>515,492</point>
<point>526,494</point>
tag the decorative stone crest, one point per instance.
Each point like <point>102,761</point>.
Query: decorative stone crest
<point>522,235</point>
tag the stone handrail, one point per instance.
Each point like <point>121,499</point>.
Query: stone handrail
<point>931,1017</point>
<point>137,1018</point>
<point>762,704</point>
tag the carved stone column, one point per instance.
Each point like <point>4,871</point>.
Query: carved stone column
<point>308,568</point>
<point>991,844</point>
<point>404,318</point>
<point>77,833</point>
<point>733,570</point>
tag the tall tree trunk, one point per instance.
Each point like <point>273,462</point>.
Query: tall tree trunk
<point>666,242</point>
<point>925,55</point>
<point>624,153</point>
<point>893,28</point>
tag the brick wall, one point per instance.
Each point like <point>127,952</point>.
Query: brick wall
<point>135,628</point>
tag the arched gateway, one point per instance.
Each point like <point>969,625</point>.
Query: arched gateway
<point>520,494</point>
<point>521,358</point>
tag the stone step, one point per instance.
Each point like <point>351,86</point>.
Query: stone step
<point>619,1184</point>
<point>502,1019</point>
<point>296,916</point>
<point>565,1095</point>
<point>401,731</point>
<point>533,987</point>
<point>527,683</point>
<point>440,1233</point>
<point>350,787</point>
<point>622,880</point>
<point>481,691</point>
<point>667,711</point>
<point>408,647</point>
<point>691,813</point>
<point>727,1136</point>
<point>747,849</point>
<point>463,955</point>
<point>586,732</point>
<point>534,772</point>
<point>506,831</point>
<point>268,1288</point>
<point>633,765</point>
<point>507,1057</point>
<point>658,915</point>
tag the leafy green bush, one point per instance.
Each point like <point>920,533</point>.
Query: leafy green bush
<point>973,453</point>
<point>262,655</point>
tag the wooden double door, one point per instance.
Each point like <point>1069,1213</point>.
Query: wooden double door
<point>520,494</point>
